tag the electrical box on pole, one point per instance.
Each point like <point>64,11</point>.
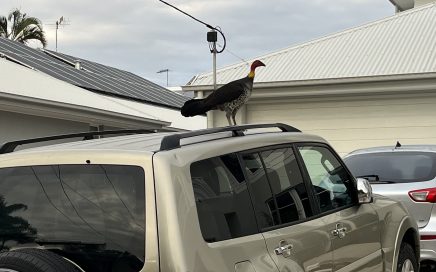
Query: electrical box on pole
<point>212,38</point>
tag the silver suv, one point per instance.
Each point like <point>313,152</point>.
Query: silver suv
<point>407,174</point>
<point>233,199</point>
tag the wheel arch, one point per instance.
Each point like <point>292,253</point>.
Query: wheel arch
<point>407,232</point>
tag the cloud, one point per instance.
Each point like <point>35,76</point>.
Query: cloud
<point>146,36</point>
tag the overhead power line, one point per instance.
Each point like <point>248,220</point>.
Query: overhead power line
<point>201,22</point>
<point>235,55</point>
<point>187,14</point>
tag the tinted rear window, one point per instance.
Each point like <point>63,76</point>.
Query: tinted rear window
<point>93,214</point>
<point>393,166</point>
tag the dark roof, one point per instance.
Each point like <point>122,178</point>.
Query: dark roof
<point>92,76</point>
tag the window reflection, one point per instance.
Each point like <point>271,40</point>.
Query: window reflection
<point>332,185</point>
<point>14,228</point>
<point>87,210</point>
<point>278,190</point>
<point>223,204</point>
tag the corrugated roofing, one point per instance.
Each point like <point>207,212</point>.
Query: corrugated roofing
<point>401,44</point>
<point>94,77</point>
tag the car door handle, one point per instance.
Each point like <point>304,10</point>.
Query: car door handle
<point>340,231</point>
<point>284,249</point>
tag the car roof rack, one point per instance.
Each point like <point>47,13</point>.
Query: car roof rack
<point>9,147</point>
<point>173,141</point>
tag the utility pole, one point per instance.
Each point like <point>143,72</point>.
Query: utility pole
<point>164,71</point>
<point>212,38</point>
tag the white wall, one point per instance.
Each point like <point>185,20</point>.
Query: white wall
<point>350,121</point>
<point>15,126</point>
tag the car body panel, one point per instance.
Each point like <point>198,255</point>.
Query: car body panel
<point>360,248</point>
<point>428,247</point>
<point>178,223</point>
<point>424,213</point>
<point>399,191</point>
<point>311,246</point>
<point>393,216</point>
<point>174,242</point>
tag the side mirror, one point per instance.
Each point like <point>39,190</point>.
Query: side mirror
<point>364,191</point>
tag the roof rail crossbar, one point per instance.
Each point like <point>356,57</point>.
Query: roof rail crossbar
<point>9,147</point>
<point>173,141</point>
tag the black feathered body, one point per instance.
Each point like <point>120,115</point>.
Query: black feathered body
<point>234,105</point>
<point>228,98</point>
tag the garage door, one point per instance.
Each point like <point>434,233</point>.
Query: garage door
<point>353,123</point>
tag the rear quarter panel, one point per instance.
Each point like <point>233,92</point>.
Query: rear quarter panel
<point>394,222</point>
<point>399,192</point>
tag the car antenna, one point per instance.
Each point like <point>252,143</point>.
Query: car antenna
<point>397,145</point>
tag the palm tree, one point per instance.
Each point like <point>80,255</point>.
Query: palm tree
<point>14,228</point>
<point>22,28</point>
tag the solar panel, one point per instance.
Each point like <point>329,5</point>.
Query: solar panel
<point>100,68</point>
<point>94,76</point>
<point>126,77</point>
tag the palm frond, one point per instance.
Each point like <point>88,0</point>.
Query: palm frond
<point>31,33</point>
<point>15,17</point>
<point>25,28</point>
<point>3,27</point>
<point>27,22</point>
<point>15,207</point>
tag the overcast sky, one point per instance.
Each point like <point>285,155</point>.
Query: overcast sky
<point>145,36</point>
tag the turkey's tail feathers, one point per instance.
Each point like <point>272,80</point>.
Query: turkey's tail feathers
<point>194,107</point>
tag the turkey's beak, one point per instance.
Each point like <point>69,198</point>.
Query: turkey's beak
<point>261,64</point>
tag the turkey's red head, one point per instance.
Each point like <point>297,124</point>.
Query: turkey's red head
<point>256,64</point>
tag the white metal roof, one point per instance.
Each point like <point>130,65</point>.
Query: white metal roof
<point>401,44</point>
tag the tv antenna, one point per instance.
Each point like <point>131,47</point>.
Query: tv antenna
<point>61,22</point>
<point>164,71</point>
<point>58,23</point>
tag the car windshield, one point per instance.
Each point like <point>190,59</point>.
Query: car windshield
<point>92,214</point>
<point>393,167</point>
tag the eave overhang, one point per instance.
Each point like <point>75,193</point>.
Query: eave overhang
<point>338,86</point>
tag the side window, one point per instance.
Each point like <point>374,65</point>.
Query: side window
<point>222,200</point>
<point>277,188</point>
<point>332,185</point>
